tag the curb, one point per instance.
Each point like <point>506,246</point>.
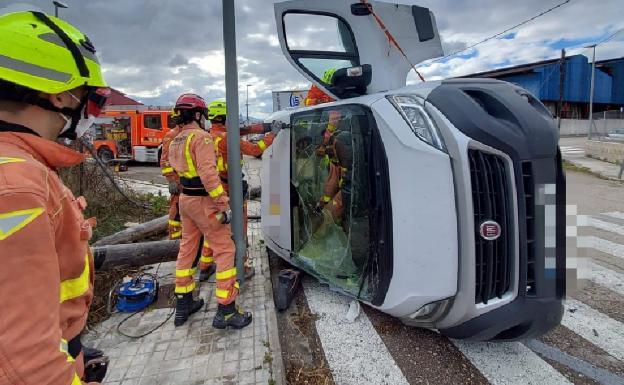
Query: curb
<point>276,348</point>
<point>595,173</point>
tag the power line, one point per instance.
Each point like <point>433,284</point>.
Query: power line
<point>505,31</point>
<point>610,37</point>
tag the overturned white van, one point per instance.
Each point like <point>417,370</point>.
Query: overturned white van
<point>442,204</point>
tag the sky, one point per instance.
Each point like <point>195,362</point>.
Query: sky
<point>154,50</point>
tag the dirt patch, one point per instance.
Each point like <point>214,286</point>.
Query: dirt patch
<point>302,352</point>
<point>569,342</point>
<point>603,300</point>
<point>424,357</point>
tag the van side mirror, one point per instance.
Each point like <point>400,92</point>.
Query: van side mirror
<point>351,82</point>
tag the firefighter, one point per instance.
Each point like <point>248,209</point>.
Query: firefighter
<point>337,157</point>
<point>51,87</point>
<point>315,95</point>
<point>217,111</point>
<point>174,224</point>
<point>217,118</point>
<point>206,261</point>
<point>204,209</point>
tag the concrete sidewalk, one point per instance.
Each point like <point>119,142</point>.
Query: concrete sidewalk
<point>195,353</point>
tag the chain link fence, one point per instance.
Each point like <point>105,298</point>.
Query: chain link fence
<point>607,126</point>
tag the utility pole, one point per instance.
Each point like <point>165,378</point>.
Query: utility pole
<point>591,92</point>
<point>247,104</point>
<point>235,173</point>
<point>561,86</point>
<point>57,5</point>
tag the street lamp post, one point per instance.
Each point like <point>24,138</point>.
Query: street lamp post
<point>247,103</point>
<point>591,91</point>
<point>57,5</point>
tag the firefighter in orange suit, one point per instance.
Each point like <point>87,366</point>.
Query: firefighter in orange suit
<point>204,209</point>
<point>51,87</point>
<point>174,225</point>
<point>206,261</point>
<point>217,115</point>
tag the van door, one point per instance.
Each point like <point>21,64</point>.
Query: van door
<point>319,36</point>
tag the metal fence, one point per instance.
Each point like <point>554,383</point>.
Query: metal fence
<point>607,126</point>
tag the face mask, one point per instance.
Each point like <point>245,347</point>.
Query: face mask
<point>207,125</point>
<point>78,122</point>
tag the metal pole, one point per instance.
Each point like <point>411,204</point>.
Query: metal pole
<point>561,86</point>
<point>235,173</point>
<point>247,105</point>
<point>591,92</point>
<point>55,10</point>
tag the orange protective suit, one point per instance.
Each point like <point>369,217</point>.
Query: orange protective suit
<point>339,159</point>
<point>46,279</point>
<point>218,128</point>
<point>202,203</point>
<point>316,96</point>
<point>175,225</point>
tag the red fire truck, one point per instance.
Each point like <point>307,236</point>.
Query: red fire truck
<point>135,134</point>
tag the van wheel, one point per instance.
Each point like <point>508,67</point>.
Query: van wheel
<point>105,154</point>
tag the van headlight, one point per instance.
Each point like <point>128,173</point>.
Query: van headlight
<point>411,107</point>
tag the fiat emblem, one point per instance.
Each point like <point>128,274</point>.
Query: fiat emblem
<point>490,230</point>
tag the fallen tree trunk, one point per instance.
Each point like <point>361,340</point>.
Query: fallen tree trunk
<point>135,254</point>
<point>135,233</point>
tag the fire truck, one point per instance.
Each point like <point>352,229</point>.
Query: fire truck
<point>135,134</point>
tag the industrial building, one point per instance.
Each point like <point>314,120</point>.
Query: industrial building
<point>542,79</point>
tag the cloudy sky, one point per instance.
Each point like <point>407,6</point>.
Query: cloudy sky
<point>154,50</point>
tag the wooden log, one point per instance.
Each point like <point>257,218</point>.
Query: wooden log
<point>135,254</point>
<point>135,233</point>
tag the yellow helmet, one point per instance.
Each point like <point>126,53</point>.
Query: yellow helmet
<point>328,76</point>
<point>46,54</point>
<point>216,108</point>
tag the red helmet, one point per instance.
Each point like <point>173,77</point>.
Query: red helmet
<point>191,101</point>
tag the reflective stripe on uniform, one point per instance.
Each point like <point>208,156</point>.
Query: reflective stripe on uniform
<point>222,293</point>
<point>221,164</point>
<point>14,221</point>
<point>206,259</point>
<point>6,159</point>
<point>166,170</point>
<point>262,145</point>
<point>75,287</point>
<point>175,235</point>
<point>185,273</point>
<point>206,244</point>
<point>227,274</point>
<point>76,380</point>
<point>185,289</point>
<point>326,198</point>
<point>174,223</point>
<point>192,172</point>
<point>216,192</point>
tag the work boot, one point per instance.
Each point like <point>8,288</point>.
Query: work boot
<point>185,306</point>
<point>205,275</point>
<point>230,316</point>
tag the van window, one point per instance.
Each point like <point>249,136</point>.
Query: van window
<point>320,43</point>
<point>331,215</point>
<point>152,121</point>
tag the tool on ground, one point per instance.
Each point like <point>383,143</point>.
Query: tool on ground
<point>135,294</point>
<point>289,281</point>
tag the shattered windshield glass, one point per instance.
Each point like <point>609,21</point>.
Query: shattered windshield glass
<point>331,196</point>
